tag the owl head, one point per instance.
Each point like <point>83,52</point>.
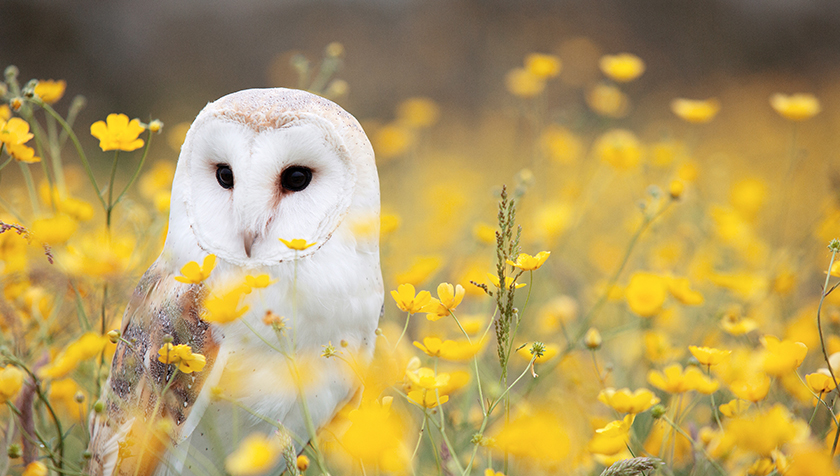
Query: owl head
<point>263,164</point>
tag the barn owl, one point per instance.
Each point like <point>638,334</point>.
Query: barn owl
<point>256,166</point>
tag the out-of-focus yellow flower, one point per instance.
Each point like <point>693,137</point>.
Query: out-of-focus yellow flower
<point>418,113</point>
<point>158,178</point>
<point>658,347</point>
<point>449,297</point>
<point>425,378</point>
<point>490,472</point>
<point>676,189</point>
<point>454,350</point>
<point>407,301</point>
<point>752,388</point>
<point>176,135</point>
<point>517,438</point>
<point>192,273</point>
<point>527,262</point>
<point>552,218</point>
<point>549,352</point>
<point>820,382</point>
<point>680,288</point>
<point>560,144</point>
<point>392,140</point>
<point>118,133</point>
<point>75,208</point>
<point>11,380</point>
<point>622,67</point>
<point>646,293</point>
<point>5,112</point>
<point>485,233</point>
<point>673,379</point>
<point>89,345</point>
<point>54,230</point>
<point>523,83</point>
<point>748,196</point>
<point>421,269</point>
<point>763,432</point>
<point>619,148</point>
<point>100,255</point>
<point>427,398</point>
<point>182,354</point>
<point>542,65</point>
<point>557,311</point>
<point>612,438</point>
<point>807,460</point>
<point>796,107</point>
<point>625,401</point>
<point>782,356</point>
<point>375,437</point>
<point>664,438</point>
<point>696,111</point>
<point>15,131</point>
<point>735,325</point>
<point>302,463</point>
<point>259,282</point>
<point>63,393</point>
<point>734,408</point>
<point>256,454</point>
<point>224,307</point>
<point>49,90</point>
<point>35,468</point>
<point>708,355</point>
<point>607,100</point>
<point>297,244</point>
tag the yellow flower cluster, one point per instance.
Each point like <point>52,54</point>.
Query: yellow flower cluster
<point>183,356</point>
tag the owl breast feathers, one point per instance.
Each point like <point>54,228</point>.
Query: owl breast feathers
<point>257,166</point>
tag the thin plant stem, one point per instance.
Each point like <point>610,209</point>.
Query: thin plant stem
<point>136,171</point>
<point>405,327</point>
<point>694,444</point>
<point>110,207</point>
<point>30,186</point>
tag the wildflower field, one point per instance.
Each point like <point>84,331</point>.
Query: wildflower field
<point>564,293</point>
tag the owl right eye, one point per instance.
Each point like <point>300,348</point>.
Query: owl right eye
<point>224,175</point>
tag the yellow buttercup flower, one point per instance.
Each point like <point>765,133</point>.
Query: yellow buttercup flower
<point>5,112</point>
<point>54,230</point>
<point>561,145</point>
<point>763,432</point>
<point>734,408</point>
<point>192,273</point>
<point>89,345</point>
<point>607,100</point>
<point>376,436</point>
<point>418,113</point>
<point>11,380</point>
<point>298,244</point>
<point>820,382</point>
<point>625,401</point>
<point>695,111</point>
<point>527,262</point>
<point>646,293</point>
<point>426,378</point>
<point>23,153</point>
<point>736,326</point>
<point>485,233</point>
<point>35,468</point>
<point>538,436</point>
<point>508,281</point>
<point>224,307</point>
<point>182,354</point>
<point>259,282</point>
<point>15,131</point>
<point>592,340</point>
<point>612,438</point>
<point>673,379</point>
<point>392,140</point>
<point>449,297</point>
<point>427,398</point>
<point>680,288</point>
<point>752,389</point>
<point>256,454</point>
<point>421,269</point>
<point>407,301</point>
<point>796,107</point>
<point>622,67</point>
<point>709,356</point>
<point>453,350</point>
<point>118,134</point>
<point>50,91</point>
<point>699,382</point>
<point>782,356</point>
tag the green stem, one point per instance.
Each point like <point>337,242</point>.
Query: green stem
<point>405,327</point>
<point>137,171</point>
<point>694,444</point>
<point>30,186</point>
<point>110,206</point>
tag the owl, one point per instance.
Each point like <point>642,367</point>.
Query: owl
<point>256,166</point>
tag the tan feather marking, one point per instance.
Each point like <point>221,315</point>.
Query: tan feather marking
<point>146,426</point>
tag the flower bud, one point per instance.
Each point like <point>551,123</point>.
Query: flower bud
<point>16,103</point>
<point>335,49</point>
<point>344,343</point>
<point>592,339</point>
<point>155,126</point>
<point>302,462</point>
<point>15,451</point>
<point>87,455</point>
<point>114,336</point>
<point>657,412</point>
<point>378,331</point>
<point>99,406</point>
<point>167,339</point>
<point>79,397</point>
<point>676,189</point>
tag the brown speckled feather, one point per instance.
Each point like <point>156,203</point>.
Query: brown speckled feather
<point>129,437</point>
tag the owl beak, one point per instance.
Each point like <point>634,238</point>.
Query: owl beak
<point>249,238</point>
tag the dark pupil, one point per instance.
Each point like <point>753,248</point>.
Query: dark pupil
<point>224,175</point>
<point>296,178</point>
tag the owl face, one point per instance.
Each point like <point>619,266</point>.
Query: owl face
<point>253,172</point>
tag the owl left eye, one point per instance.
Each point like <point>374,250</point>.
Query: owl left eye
<point>224,175</point>
<point>296,178</point>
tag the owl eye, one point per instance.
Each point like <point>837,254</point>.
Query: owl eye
<point>224,175</point>
<point>296,178</point>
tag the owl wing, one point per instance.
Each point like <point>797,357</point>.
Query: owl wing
<point>140,421</point>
